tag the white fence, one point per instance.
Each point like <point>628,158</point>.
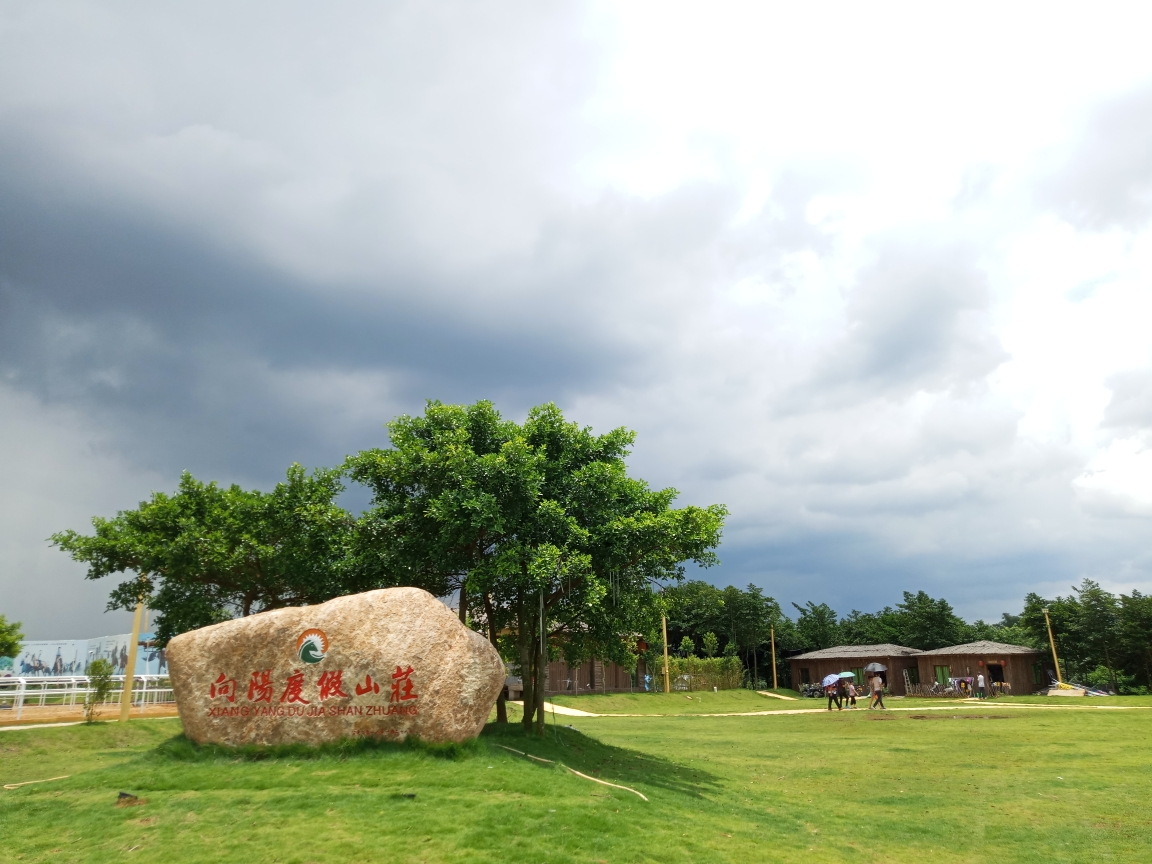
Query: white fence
<point>16,694</point>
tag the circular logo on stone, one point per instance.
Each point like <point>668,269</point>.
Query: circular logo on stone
<point>312,646</point>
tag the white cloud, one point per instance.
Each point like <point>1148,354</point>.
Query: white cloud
<point>1118,481</point>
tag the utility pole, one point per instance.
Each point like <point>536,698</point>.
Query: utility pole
<point>664,625</point>
<point>772,636</point>
<point>130,669</point>
<point>1052,642</point>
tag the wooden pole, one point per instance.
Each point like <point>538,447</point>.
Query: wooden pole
<point>664,625</point>
<point>130,669</point>
<point>1052,642</point>
<point>772,636</point>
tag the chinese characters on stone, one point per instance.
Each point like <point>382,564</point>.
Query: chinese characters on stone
<point>330,685</point>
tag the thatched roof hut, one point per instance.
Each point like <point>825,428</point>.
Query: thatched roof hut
<point>814,665</point>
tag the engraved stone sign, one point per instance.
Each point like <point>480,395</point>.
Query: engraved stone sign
<point>388,664</point>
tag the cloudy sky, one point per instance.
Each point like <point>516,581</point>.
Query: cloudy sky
<point>879,282</point>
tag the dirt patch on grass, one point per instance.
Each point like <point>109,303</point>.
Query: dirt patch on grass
<point>959,717</point>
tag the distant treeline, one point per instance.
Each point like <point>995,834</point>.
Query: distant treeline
<point>1102,639</point>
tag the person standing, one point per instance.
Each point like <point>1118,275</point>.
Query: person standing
<point>842,694</point>
<point>830,690</point>
<point>877,692</point>
<point>980,686</point>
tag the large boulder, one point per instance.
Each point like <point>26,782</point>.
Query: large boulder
<point>385,664</point>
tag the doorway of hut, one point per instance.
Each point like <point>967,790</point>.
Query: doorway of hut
<point>995,673</point>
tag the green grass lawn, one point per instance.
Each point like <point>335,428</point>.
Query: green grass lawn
<point>704,702</point>
<point>735,701</point>
<point>992,782</point>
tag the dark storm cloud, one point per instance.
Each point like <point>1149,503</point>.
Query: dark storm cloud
<point>1106,179</point>
<point>851,570</point>
<point>207,357</point>
<point>160,335</point>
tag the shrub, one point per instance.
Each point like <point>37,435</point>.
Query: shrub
<point>1101,679</point>
<point>100,684</point>
<point>695,673</point>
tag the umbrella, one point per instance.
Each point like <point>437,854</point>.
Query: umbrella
<point>829,680</point>
<point>875,667</point>
<point>846,675</point>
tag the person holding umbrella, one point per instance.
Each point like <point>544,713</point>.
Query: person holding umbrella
<point>829,684</point>
<point>877,685</point>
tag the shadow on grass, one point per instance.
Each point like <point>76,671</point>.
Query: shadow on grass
<point>561,746</point>
<point>587,755</point>
<point>181,749</point>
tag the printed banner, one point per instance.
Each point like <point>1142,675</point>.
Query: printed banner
<point>63,657</point>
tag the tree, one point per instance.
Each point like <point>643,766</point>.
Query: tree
<point>10,637</point>
<point>711,644</point>
<point>687,647</point>
<point>694,608</point>
<point>1098,623</point>
<point>207,553</point>
<point>540,526</point>
<point>926,624</point>
<point>817,627</point>
<point>590,551</point>
<point>753,616</point>
<point>1086,625</point>
<point>1008,630</point>
<point>1135,634</point>
<point>1063,614</point>
<point>867,628</point>
<point>448,496</point>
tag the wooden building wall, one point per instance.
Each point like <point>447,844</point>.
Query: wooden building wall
<point>819,667</point>
<point>595,676</point>
<point>1018,668</point>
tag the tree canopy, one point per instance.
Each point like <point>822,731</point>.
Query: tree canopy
<point>10,637</point>
<point>1101,638</point>
<point>208,553</point>
<point>537,525</point>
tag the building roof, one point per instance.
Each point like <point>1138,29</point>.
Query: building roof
<point>983,646</point>
<point>855,652</point>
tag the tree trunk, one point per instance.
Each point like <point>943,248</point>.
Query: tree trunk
<point>501,700</point>
<point>464,601</point>
<point>755,673</point>
<point>1111,673</point>
<point>526,642</point>
<point>541,671</point>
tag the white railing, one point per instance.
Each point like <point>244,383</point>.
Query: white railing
<point>16,694</point>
